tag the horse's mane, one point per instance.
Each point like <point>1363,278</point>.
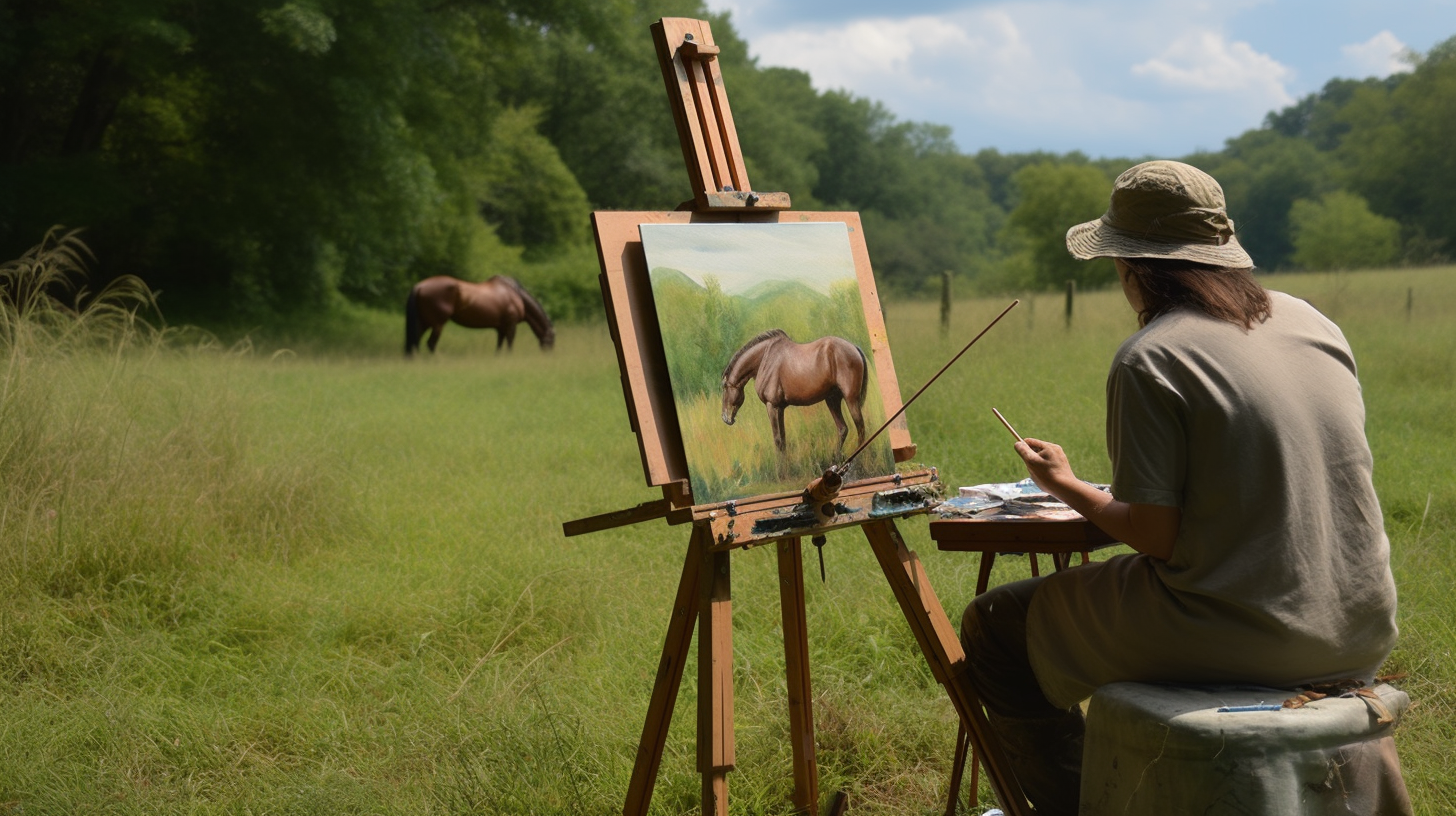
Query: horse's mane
<point>535,313</point>
<point>771,334</point>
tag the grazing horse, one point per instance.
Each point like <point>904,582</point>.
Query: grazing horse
<point>831,370</point>
<point>499,303</point>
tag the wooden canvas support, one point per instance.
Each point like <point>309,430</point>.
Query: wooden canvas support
<point>715,682</point>
<point>709,139</point>
<point>722,193</point>
<point>796,662</point>
<point>669,678</point>
<point>943,651</point>
<point>704,594</point>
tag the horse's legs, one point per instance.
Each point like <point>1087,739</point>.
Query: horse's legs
<point>856,412</point>
<point>834,402</point>
<point>505,335</point>
<point>435,336</point>
<point>776,421</point>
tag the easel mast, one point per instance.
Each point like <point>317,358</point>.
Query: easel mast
<point>694,79</point>
<point>721,191</point>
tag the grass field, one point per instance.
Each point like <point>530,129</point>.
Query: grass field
<point>327,581</point>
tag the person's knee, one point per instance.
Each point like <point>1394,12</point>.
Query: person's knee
<point>971,620</point>
<point>998,610</point>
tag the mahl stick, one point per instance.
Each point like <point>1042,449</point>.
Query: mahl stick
<point>1008,425</point>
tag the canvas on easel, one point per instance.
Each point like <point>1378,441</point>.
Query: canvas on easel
<point>764,333</point>
<point>637,333</point>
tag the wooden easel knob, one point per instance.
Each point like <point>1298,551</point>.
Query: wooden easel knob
<point>694,50</point>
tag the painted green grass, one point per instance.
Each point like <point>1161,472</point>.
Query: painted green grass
<point>742,460</point>
<point>329,581</point>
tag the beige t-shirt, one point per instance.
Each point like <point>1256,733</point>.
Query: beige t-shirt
<point>1280,574</point>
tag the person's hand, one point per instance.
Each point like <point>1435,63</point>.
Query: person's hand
<point>1048,465</point>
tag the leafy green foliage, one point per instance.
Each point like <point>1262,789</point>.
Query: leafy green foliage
<point>1053,198</point>
<point>1398,153</point>
<point>1263,173</point>
<point>1340,232</point>
<point>267,160</point>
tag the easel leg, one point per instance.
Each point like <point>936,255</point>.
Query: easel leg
<point>957,767</point>
<point>669,678</point>
<point>963,741</point>
<point>943,652</point>
<point>796,660</point>
<point>715,682</point>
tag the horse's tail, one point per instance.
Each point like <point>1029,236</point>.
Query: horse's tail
<point>412,327</point>
<point>864,374</point>
<point>535,314</point>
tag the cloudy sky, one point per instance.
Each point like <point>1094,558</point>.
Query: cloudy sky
<point>743,256</point>
<point>1126,78</point>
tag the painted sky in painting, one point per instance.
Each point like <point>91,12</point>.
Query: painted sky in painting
<point>816,255</point>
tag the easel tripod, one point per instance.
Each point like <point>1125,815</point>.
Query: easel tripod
<point>704,595</point>
<point>722,193</point>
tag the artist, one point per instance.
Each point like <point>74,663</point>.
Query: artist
<point>1240,474</point>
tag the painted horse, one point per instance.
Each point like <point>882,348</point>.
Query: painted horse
<point>498,303</point>
<point>831,370</point>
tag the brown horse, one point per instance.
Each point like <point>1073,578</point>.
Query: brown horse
<point>831,370</point>
<point>499,303</point>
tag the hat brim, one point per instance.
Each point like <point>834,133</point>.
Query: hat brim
<point>1097,239</point>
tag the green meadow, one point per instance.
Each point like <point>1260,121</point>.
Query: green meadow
<point>302,576</point>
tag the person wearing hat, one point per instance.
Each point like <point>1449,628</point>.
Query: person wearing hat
<point>1240,475</point>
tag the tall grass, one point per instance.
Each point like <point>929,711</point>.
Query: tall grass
<point>333,582</point>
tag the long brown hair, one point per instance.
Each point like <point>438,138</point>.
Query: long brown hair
<point>1220,292</point>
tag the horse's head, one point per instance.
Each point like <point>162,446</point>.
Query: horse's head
<point>548,339</point>
<point>732,400</point>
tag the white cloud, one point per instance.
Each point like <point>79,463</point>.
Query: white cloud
<point>973,64</point>
<point>1113,77</point>
<point>876,51</point>
<point>1204,62</point>
<point>1380,56</point>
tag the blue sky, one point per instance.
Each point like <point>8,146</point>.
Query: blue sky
<point>1126,78</point>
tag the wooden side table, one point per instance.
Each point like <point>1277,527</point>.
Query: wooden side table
<point>1059,538</point>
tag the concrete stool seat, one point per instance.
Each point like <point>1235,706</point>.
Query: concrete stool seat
<point>1160,750</point>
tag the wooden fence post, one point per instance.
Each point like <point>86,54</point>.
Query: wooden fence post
<point>944,304</point>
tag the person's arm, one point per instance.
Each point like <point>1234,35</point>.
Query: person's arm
<point>1147,528</point>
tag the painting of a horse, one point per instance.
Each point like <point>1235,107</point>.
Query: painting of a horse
<point>829,370</point>
<point>498,303</point>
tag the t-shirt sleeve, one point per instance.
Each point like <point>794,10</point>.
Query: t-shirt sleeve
<point>1146,439</point>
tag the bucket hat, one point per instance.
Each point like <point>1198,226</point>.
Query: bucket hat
<point>1162,209</point>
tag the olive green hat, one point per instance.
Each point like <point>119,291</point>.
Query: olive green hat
<point>1162,209</point>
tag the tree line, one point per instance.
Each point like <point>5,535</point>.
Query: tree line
<point>257,159</point>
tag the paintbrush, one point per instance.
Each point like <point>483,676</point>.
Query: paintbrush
<point>822,490</point>
<point>1008,425</point>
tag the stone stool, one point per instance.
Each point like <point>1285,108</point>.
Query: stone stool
<point>1159,750</point>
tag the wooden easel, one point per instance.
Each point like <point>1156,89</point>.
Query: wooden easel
<point>722,193</point>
